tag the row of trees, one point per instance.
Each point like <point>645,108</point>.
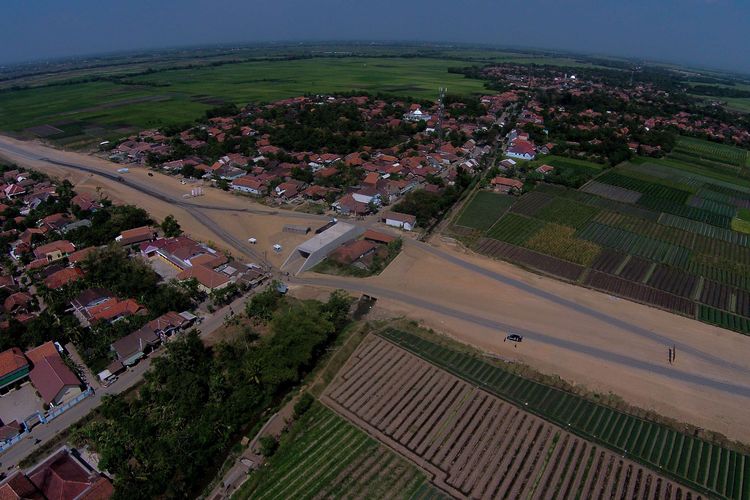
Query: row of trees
<point>196,400</point>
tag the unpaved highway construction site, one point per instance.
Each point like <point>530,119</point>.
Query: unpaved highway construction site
<point>606,344</point>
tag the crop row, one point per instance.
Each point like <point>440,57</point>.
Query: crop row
<point>632,243</point>
<point>720,166</point>
<point>697,214</point>
<point>640,293</point>
<point>567,213</point>
<point>609,261</point>
<point>707,192</point>
<point>693,461</point>
<point>530,258</point>
<point>611,192</point>
<point>652,189</point>
<point>515,229</point>
<point>559,241</point>
<point>598,201</point>
<point>714,151</point>
<point>712,206</point>
<point>330,458</point>
<point>648,229</point>
<point>724,320</point>
<point>530,203</point>
<point>704,229</point>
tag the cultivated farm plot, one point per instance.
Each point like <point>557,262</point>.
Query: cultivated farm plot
<point>329,457</point>
<point>529,258</point>
<point>514,229</point>
<point>640,293</point>
<point>474,444</point>
<point>484,209</point>
<point>705,466</point>
<point>611,192</point>
<point>530,203</point>
<point>712,151</point>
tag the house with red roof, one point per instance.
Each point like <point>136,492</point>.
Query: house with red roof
<point>136,235</point>
<point>506,185</point>
<point>63,277</point>
<point>248,184</point>
<point>63,476</point>
<point>13,366</point>
<point>55,250</point>
<point>19,486</point>
<point>51,377</point>
<point>208,279</point>
<point>545,169</point>
<point>114,309</point>
<point>17,302</point>
<point>523,150</point>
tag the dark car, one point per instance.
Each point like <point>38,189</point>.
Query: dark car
<point>150,174</point>
<point>514,337</point>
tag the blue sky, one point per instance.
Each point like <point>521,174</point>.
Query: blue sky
<point>712,33</point>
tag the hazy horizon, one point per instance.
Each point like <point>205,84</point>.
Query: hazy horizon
<point>700,33</point>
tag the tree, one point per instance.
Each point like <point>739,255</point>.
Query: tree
<point>171,227</point>
<point>268,445</point>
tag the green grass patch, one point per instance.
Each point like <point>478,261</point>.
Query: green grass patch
<point>484,210</point>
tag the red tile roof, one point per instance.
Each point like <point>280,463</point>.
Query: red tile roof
<point>63,277</point>
<point>38,353</point>
<point>63,246</point>
<point>206,277</point>
<point>114,308</point>
<point>378,236</point>
<point>19,486</point>
<point>62,478</point>
<point>50,375</point>
<point>12,360</point>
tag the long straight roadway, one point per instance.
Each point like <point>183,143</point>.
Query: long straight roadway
<point>616,340</point>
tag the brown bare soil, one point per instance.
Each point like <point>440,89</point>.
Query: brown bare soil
<point>472,443</point>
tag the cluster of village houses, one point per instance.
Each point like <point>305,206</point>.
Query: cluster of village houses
<point>386,173</point>
<point>41,381</point>
<point>522,82</point>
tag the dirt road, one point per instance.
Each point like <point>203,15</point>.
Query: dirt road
<point>604,343</point>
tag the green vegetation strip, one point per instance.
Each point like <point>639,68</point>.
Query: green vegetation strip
<point>725,320</point>
<point>515,229</point>
<point>567,213</point>
<point>647,185</point>
<point>484,210</point>
<point>591,420</point>
<point>324,456</point>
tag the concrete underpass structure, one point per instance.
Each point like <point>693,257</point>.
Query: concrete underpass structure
<point>317,248</point>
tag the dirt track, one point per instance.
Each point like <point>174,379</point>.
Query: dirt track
<point>622,348</point>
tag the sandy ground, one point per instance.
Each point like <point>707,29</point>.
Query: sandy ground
<point>420,275</point>
<point>572,344</point>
